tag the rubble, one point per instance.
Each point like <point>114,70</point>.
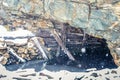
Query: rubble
<point>11,51</point>
<point>16,43</point>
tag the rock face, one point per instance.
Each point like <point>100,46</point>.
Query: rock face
<point>98,18</point>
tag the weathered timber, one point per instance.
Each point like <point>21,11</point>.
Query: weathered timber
<point>12,52</point>
<point>58,39</point>
<point>38,44</point>
<point>63,33</point>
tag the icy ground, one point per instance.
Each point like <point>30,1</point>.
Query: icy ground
<point>40,71</point>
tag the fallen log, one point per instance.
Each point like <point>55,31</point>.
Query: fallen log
<point>58,39</point>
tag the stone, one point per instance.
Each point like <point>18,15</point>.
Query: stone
<point>6,55</point>
<point>114,72</point>
<point>21,50</point>
<point>43,24</point>
<point>107,78</point>
<point>118,51</point>
<point>3,45</point>
<point>3,60</point>
<point>25,51</point>
<point>3,13</point>
<point>23,55</point>
<point>30,45</point>
<point>94,75</point>
<point>32,52</point>
<point>118,70</point>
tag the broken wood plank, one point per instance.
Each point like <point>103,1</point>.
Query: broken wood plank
<point>38,44</point>
<point>58,39</point>
<point>12,52</point>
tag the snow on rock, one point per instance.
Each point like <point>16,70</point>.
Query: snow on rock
<point>2,29</point>
<point>104,74</point>
<point>18,37</point>
<point>15,34</point>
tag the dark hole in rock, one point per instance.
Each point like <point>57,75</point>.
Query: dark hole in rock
<point>95,53</point>
<point>91,52</point>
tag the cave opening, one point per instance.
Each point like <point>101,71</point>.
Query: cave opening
<point>89,51</point>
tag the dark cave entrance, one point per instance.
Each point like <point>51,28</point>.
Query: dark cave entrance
<point>96,54</point>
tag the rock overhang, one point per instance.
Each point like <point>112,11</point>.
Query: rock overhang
<point>101,22</point>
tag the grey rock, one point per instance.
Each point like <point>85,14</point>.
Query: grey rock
<point>94,75</point>
<point>13,3</point>
<point>114,72</point>
<point>118,51</point>
<point>107,78</point>
<point>107,73</point>
<point>3,13</point>
<point>68,11</point>
<point>115,35</point>
<point>27,8</point>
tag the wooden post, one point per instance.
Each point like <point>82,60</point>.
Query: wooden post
<point>63,30</point>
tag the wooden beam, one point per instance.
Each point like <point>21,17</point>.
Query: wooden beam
<point>39,45</point>
<point>12,52</point>
<point>58,39</point>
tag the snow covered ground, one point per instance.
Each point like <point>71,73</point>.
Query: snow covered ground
<point>59,72</point>
<point>18,36</point>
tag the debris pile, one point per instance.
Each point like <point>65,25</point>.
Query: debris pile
<point>17,46</point>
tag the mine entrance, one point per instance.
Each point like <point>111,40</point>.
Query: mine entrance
<point>68,45</point>
<point>88,51</point>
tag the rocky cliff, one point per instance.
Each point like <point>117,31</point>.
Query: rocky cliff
<point>99,18</point>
